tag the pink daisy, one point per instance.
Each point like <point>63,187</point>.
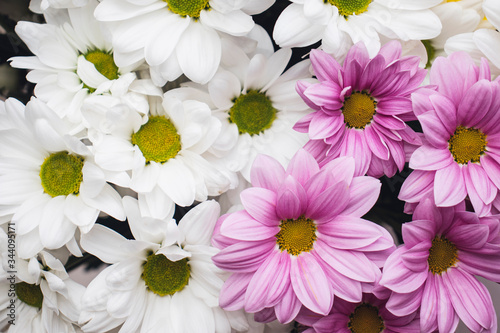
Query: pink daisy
<point>444,248</point>
<point>460,155</point>
<point>361,108</point>
<point>369,315</point>
<point>299,239</point>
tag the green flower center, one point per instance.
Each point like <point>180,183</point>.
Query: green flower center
<point>358,109</point>
<point>296,236</point>
<point>443,254</point>
<point>190,8</point>
<point>30,294</point>
<point>158,140</point>
<point>350,7</point>
<point>61,174</point>
<point>104,63</point>
<point>365,319</point>
<point>165,277</point>
<point>252,112</point>
<point>467,145</point>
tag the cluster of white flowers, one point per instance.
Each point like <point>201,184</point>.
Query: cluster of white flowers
<point>144,106</point>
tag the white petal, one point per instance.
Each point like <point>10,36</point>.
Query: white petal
<point>223,88</point>
<point>105,244</point>
<point>55,229</point>
<point>198,224</point>
<point>235,23</point>
<point>88,73</point>
<point>177,181</point>
<point>293,29</point>
<point>488,41</point>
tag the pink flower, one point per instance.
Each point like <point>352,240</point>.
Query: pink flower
<point>361,108</point>
<point>300,239</point>
<point>369,315</point>
<point>434,270</point>
<point>460,155</point>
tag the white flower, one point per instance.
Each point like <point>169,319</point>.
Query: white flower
<point>163,281</point>
<point>50,184</point>
<point>340,24</point>
<point>176,36</point>
<point>72,61</point>
<point>164,153</point>
<point>257,106</point>
<point>46,299</point>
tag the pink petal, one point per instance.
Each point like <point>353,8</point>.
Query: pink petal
<point>418,231</point>
<point>301,87</point>
<point>240,225</point>
<point>302,166</point>
<point>391,51</point>
<point>415,258</point>
<point>398,277</point>
<point>324,126</point>
<point>434,130</point>
<point>328,203</point>
<point>363,193</point>
<point>310,284</point>
<point>430,304</point>
<point>243,257</point>
<point>352,72</point>
<point>447,318</point>
<point>267,172</point>
<point>485,189</point>
<point>446,111</point>
<point>449,186</point>
<point>324,66</point>
<point>325,94</point>
<point>390,106</point>
<point>475,104</point>
<point>343,287</point>
<point>342,168</point>
<point>416,186</point>
<point>260,203</point>
<point>291,199</point>
<point>492,168</point>
<point>318,183</point>
<point>429,158</point>
<point>482,264</point>
<point>449,80</point>
<point>421,100</point>
<point>232,294</point>
<point>377,145</point>
<point>404,304</point>
<point>477,203</point>
<point>302,125</point>
<point>357,53</point>
<point>374,67</point>
<point>289,307</point>
<point>468,236</point>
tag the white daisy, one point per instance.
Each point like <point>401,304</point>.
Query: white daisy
<point>176,36</point>
<point>163,152</point>
<point>257,106</point>
<point>71,62</point>
<point>50,184</point>
<point>339,24</point>
<point>45,300</point>
<point>163,281</point>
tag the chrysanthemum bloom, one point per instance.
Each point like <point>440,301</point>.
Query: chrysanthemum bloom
<point>163,150</point>
<point>176,36</point>
<point>72,61</point>
<point>459,157</point>
<point>46,299</point>
<point>368,316</point>
<point>257,106</point>
<point>444,248</point>
<point>483,42</point>
<point>50,183</point>
<point>300,239</point>
<point>339,24</point>
<point>163,281</point>
<point>361,108</point>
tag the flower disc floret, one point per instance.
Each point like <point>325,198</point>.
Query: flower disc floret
<point>252,112</point>
<point>165,277</point>
<point>443,254</point>
<point>190,8</point>
<point>359,109</point>
<point>467,145</point>
<point>61,174</point>
<point>104,63</point>
<point>30,294</point>
<point>158,140</point>
<point>350,7</point>
<point>296,236</point>
<point>365,319</point>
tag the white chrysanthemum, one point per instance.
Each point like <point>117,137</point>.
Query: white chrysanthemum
<point>257,106</point>
<point>71,62</point>
<point>163,151</point>
<point>176,36</point>
<point>482,42</point>
<point>163,281</point>
<point>50,184</point>
<point>46,299</point>
<point>341,23</point>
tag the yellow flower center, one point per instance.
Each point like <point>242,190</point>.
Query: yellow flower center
<point>252,112</point>
<point>358,109</point>
<point>467,144</point>
<point>104,63</point>
<point>365,319</point>
<point>165,277</point>
<point>190,8</point>
<point>443,254</point>
<point>61,174</point>
<point>158,140</point>
<point>350,7</point>
<point>296,236</point>
<point>30,294</point>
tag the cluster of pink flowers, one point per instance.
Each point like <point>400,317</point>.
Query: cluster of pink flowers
<point>300,249</point>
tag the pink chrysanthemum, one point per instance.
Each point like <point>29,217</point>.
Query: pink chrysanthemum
<point>460,155</point>
<point>369,315</point>
<point>300,239</point>
<point>361,108</point>
<point>444,248</point>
